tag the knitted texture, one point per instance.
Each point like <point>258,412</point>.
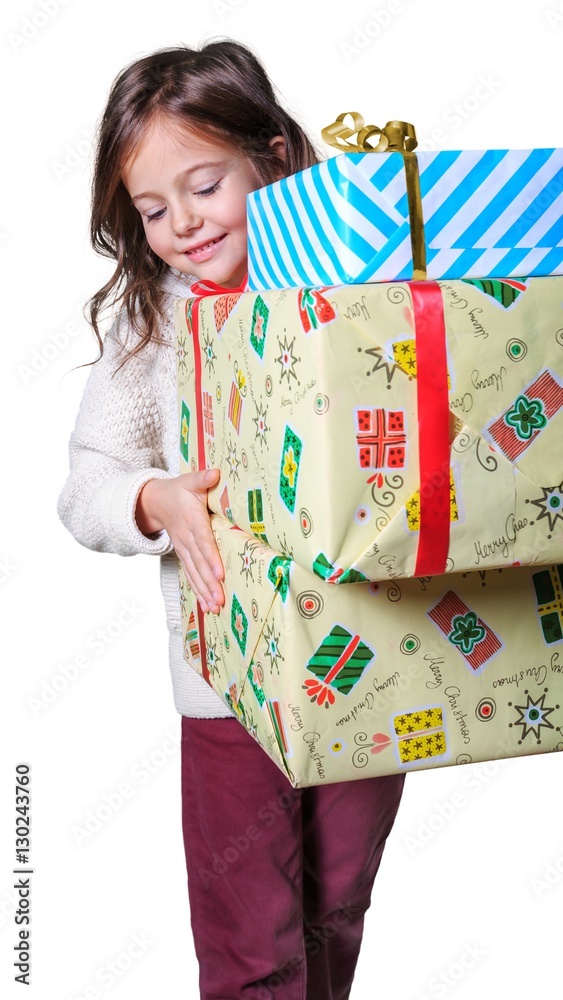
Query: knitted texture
<point>126,433</point>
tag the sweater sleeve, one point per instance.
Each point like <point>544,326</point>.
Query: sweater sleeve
<point>115,448</point>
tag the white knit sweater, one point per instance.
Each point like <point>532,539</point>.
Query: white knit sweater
<point>126,433</point>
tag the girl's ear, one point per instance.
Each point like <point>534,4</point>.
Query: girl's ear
<point>277,142</point>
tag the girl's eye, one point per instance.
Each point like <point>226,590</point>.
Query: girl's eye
<point>156,215</point>
<point>207,191</point>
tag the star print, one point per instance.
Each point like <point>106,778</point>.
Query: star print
<point>551,505</point>
<point>382,363</point>
<point>209,354</point>
<point>182,353</point>
<point>287,360</point>
<point>232,461</point>
<point>213,659</point>
<point>272,650</point>
<point>533,716</point>
<point>247,560</point>
<point>261,423</point>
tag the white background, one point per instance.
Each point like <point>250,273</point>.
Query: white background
<point>455,875</point>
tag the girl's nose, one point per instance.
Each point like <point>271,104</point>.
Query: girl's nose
<point>185,218</point>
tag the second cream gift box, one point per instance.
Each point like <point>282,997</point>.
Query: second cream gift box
<point>343,683</point>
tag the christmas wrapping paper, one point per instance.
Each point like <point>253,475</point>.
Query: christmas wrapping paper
<point>486,213</point>
<point>338,684</point>
<point>318,405</point>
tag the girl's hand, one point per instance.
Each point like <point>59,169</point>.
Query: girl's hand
<point>179,506</point>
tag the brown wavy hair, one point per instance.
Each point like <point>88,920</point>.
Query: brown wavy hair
<point>220,88</point>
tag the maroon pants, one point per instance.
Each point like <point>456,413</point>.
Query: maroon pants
<point>279,879</point>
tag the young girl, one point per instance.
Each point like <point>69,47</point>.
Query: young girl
<point>279,879</point>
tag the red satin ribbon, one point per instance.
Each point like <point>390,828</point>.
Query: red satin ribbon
<point>193,330</point>
<point>433,428</point>
<point>200,289</point>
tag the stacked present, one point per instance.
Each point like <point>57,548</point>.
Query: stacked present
<point>402,443</point>
<point>350,218</point>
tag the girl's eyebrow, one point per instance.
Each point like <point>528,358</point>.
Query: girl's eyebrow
<point>182,176</point>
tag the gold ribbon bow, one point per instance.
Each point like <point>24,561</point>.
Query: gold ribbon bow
<point>397,137</point>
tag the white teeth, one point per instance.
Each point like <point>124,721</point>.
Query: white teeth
<point>204,247</point>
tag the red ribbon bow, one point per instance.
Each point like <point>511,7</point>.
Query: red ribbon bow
<point>200,288</point>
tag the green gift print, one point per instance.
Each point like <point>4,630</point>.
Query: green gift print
<point>289,470</point>
<point>255,675</point>
<point>256,515</point>
<point>338,664</point>
<point>239,624</point>
<point>526,416</point>
<point>466,633</point>
<point>185,432</point>
<point>259,325</point>
<point>278,574</point>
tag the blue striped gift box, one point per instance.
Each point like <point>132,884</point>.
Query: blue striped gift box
<point>487,213</point>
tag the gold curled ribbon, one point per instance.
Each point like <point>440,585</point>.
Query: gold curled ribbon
<point>397,137</point>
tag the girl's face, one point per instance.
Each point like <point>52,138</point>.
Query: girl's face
<point>191,194</point>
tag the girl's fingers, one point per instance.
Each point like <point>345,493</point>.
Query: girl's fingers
<point>204,584</point>
<point>208,562</point>
<point>194,541</point>
<point>205,557</point>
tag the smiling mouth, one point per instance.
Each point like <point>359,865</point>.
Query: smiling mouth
<point>204,247</point>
